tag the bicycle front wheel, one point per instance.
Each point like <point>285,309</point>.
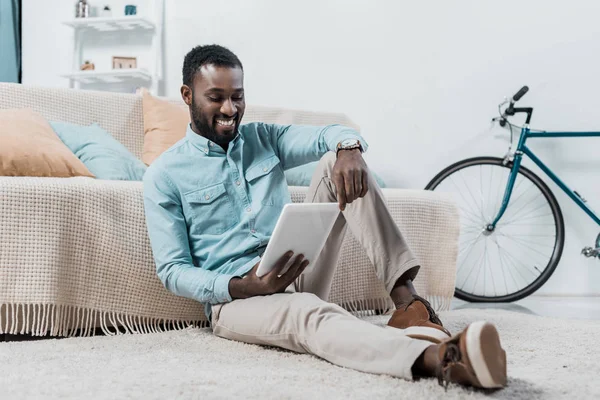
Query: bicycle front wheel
<point>517,258</point>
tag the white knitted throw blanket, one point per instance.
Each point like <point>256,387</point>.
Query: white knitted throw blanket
<point>75,255</point>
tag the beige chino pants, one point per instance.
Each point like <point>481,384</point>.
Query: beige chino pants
<point>303,321</point>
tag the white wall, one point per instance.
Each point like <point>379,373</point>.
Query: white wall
<point>422,79</point>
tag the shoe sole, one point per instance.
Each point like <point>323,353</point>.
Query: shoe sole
<point>486,355</point>
<point>425,333</point>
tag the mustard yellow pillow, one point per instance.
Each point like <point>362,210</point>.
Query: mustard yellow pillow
<point>164,125</point>
<point>29,147</point>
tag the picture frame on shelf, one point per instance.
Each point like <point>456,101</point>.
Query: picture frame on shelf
<point>124,62</point>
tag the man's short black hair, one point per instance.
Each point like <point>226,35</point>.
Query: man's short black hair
<point>210,54</point>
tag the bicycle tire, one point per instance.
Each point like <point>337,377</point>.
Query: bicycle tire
<point>556,212</point>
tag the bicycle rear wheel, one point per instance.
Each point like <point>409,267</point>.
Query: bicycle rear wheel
<point>519,256</point>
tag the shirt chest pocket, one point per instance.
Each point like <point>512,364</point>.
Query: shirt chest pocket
<point>211,209</point>
<point>267,181</point>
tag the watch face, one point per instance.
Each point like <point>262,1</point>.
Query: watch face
<point>349,142</point>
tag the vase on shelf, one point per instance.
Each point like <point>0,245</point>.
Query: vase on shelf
<point>106,12</point>
<point>88,66</point>
<point>82,9</point>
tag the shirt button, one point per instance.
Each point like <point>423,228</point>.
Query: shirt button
<point>207,197</point>
<point>237,183</point>
<point>210,144</point>
<point>248,209</point>
<point>265,169</point>
<point>253,231</point>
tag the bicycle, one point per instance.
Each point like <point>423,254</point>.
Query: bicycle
<point>515,239</point>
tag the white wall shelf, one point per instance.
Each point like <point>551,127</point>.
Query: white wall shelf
<point>111,24</point>
<point>98,39</point>
<point>114,76</point>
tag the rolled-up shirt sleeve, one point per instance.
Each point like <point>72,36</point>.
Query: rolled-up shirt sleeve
<point>170,244</point>
<point>300,144</point>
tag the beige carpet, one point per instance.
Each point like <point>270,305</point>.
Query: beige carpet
<point>548,358</point>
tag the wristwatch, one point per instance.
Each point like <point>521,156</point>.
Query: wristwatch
<point>349,144</point>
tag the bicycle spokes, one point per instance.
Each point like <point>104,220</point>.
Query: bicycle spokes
<point>495,262</point>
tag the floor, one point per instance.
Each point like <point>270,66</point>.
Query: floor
<point>545,306</point>
<point>544,363</point>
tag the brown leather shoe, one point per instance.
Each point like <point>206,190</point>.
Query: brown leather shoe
<point>474,357</point>
<point>419,321</point>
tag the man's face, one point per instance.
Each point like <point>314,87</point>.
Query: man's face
<point>216,102</point>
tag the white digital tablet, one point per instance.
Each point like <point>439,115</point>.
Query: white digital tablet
<point>302,228</point>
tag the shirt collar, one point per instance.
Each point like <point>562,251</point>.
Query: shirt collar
<point>204,145</point>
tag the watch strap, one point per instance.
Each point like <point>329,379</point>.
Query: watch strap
<point>358,145</point>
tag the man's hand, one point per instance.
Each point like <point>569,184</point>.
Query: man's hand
<point>350,177</point>
<point>253,285</point>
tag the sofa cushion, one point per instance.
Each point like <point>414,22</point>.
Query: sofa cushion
<point>164,124</point>
<point>302,175</point>
<point>102,154</point>
<point>29,147</point>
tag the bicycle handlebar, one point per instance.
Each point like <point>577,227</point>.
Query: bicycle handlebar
<point>520,93</point>
<point>510,110</point>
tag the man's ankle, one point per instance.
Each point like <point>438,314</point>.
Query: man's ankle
<point>427,363</point>
<point>402,294</point>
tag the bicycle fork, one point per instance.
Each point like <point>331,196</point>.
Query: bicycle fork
<point>512,178</point>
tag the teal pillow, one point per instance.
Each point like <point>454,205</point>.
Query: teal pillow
<point>102,154</point>
<point>302,175</point>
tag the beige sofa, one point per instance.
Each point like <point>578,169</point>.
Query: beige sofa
<point>75,255</point>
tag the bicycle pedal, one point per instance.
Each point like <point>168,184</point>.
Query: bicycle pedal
<point>591,252</point>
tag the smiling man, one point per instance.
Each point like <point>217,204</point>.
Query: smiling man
<point>212,202</point>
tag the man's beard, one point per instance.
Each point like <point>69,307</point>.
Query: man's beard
<point>207,129</point>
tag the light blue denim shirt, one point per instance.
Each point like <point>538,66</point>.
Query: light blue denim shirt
<point>210,213</point>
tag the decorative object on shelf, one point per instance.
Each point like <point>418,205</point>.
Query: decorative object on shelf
<point>130,9</point>
<point>82,9</point>
<point>88,66</point>
<point>106,12</point>
<point>124,62</point>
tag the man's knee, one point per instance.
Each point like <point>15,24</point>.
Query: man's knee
<point>328,160</point>
<point>325,166</point>
<point>304,300</point>
<point>311,306</point>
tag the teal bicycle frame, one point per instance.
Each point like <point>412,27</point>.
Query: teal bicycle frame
<point>521,150</point>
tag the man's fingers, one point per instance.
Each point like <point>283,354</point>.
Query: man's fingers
<point>341,194</point>
<point>302,268</point>
<point>294,272</point>
<point>287,278</point>
<point>279,265</point>
<point>358,185</point>
<point>294,267</point>
<point>349,185</point>
<point>365,183</point>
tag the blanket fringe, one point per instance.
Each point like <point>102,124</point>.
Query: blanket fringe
<point>67,321</point>
<point>440,303</point>
<point>366,307</point>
